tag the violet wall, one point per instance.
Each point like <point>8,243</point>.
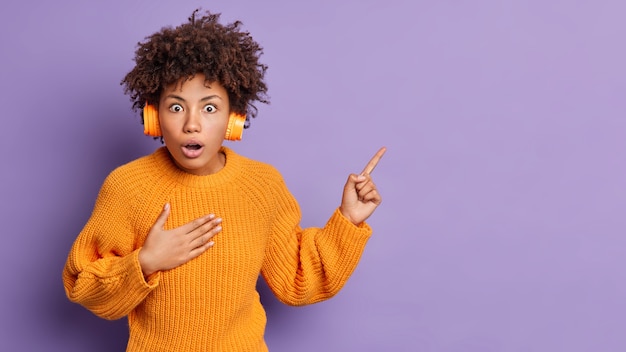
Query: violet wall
<point>502,226</point>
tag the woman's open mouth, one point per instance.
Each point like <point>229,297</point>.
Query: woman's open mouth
<point>192,150</point>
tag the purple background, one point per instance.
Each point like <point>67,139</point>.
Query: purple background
<point>502,226</point>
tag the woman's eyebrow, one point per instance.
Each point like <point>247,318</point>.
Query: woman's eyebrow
<point>174,96</point>
<point>210,97</point>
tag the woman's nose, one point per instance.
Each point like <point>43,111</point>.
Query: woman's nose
<point>192,123</point>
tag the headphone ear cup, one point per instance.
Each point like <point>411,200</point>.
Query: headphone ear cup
<point>151,125</point>
<point>236,123</point>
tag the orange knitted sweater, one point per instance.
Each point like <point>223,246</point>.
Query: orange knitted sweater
<point>211,302</point>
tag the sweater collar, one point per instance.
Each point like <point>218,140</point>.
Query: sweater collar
<point>168,168</point>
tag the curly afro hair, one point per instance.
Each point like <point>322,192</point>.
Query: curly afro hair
<point>223,53</point>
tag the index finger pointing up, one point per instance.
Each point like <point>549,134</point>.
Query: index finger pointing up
<point>374,161</point>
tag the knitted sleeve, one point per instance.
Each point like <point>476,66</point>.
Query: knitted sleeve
<point>305,266</point>
<point>102,271</point>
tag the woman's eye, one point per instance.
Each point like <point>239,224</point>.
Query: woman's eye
<point>176,108</point>
<point>210,108</point>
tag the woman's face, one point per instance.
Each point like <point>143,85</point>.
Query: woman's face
<point>193,115</point>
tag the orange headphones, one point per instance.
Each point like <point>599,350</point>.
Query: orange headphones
<point>151,126</point>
